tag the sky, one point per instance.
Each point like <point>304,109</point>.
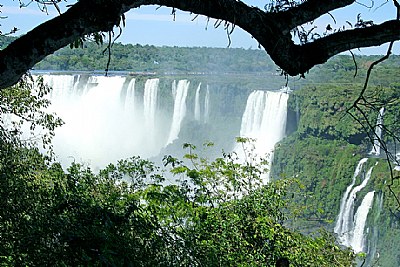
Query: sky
<point>156,26</point>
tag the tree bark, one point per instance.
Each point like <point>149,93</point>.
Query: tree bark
<point>271,30</point>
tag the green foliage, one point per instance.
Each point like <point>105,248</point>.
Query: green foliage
<point>23,110</point>
<point>326,143</point>
<point>88,55</point>
<point>324,167</point>
<point>215,214</point>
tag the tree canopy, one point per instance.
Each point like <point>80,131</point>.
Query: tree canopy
<point>273,28</point>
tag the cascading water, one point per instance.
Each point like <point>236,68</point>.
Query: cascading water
<point>376,149</point>
<point>104,121</point>
<point>350,227</point>
<point>197,104</point>
<point>64,83</point>
<point>207,105</point>
<point>150,104</point>
<point>130,97</point>
<point>109,118</point>
<point>360,218</point>
<point>90,120</point>
<point>264,120</point>
<point>179,110</point>
<point>340,222</point>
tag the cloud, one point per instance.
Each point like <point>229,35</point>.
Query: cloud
<point>164,15</point>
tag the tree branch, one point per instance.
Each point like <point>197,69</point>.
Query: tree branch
<point>311,10</point>
<point>304,57</point>
<point>271,30</point>
<point>83,18</point>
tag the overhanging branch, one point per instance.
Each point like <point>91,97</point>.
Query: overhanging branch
<point>271,30</point>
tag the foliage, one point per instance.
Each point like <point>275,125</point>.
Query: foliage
<point>324,110</point>
<point>324,167</point>
<point>168,60</point>
<point>324,147</point>
<point>128,215</point>
<point>23,112</point>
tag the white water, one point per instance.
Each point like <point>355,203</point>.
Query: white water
<point>91,121</point>
<point>376,149</point>
<point>103,121</point>
<point>264,120</point>
<point>197,103</point>
<point>360,218</point>
<point>347,223</point>
<point>179,110</point>
<point>207,105</point>
<point>339,222</point>
<point>150,104</point>
<point>109,118</point>
<point>130,97</point>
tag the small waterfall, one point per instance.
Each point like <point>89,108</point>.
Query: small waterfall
<point>207,105</point>
<point>197,104</point>
<point>150,105</point>
<point>130,97</point>
<point>264,119</point>
<point>339,222</point>
<point>376,149</point>
<point>348,227</point>
<point>360,218</point>
<point>179,110</point>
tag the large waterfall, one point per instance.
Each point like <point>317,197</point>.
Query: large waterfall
<point>114,117</point>
<point>350,226</point>
<point>264,120</point>
<point>107,118</point>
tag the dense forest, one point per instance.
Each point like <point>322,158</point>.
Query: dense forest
<point>126,215</point>
<point>200,60</point>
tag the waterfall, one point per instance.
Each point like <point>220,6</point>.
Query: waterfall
<point>348,227</point>
<point>360,218</point>
<point>207,105</point>
<point>264,119</point>
<point>130,97</point>
<point>376,149</point>
<point>179,110</point>
<point>62,83</point>
<point>92,121</point>
<point>104,121</point>
<point>339,222</point>
<point>150,106</point>
<point>197,104</point>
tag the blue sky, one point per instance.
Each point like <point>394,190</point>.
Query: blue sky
<point>155,26</point>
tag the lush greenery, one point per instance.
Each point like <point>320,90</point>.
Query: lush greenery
<point>165,60</point>
<point>203,60</point>
<point>213,214</point>
<point>124,216</point>
<point>131,214</point>
<point>323,149</point>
